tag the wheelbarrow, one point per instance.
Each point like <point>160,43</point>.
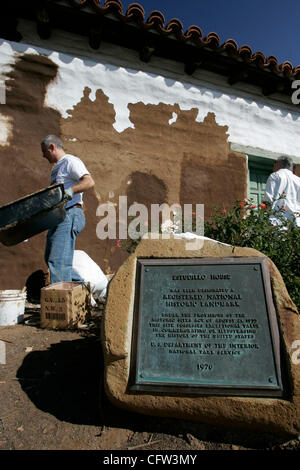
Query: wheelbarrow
<point>32,214</point>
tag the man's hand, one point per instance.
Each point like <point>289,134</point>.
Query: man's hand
<point>68,194</point>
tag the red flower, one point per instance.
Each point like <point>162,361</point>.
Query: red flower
<point>263,205</point>
<point>242,204</point>
<point>223,211</point>
<point>119,243</point>
<point>252,207</point>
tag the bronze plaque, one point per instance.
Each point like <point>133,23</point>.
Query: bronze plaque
<point>205,326</point>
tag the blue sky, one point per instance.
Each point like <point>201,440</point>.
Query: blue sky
<point>269,26</point>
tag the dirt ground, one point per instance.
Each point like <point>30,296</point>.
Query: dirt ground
<point>50,389</point>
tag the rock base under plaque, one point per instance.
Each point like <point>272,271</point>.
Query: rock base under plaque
<point>278,415</point>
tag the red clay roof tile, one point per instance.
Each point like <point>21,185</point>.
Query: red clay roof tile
<point>156,20</point>
<point>192,37</point>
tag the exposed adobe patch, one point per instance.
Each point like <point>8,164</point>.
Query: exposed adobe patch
<point>153,163</point>
<point>212,174</point>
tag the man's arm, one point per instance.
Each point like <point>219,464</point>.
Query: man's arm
<point>86,182</point>
<point>271,189</point>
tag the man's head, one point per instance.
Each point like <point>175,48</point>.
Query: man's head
<point>283,162</point>
<point>52,148</point>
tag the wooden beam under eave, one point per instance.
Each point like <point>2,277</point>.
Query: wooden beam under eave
<point>43,30</point>
<point>192,64</point>
<point>146,53</point>
<point>271,87</point>
<point>8,29</point>
<point>190,67</point>
<point>237,75</point>
<point>43,25</point>
<point>95,37</point>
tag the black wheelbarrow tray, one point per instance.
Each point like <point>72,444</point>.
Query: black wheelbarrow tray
<point>32,214</point>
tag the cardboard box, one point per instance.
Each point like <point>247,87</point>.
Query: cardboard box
<point>65,305</point>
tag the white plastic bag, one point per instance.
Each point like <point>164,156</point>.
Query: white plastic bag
<point>90,272</point>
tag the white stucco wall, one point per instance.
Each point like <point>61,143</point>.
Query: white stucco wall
<point>256,125</point>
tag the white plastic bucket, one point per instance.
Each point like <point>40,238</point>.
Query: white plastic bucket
<point>12,306</point>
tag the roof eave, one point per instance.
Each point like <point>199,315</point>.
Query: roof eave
<point>150,39</point>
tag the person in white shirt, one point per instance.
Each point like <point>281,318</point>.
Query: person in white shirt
<point>282,192</point>
<point>60,245</point>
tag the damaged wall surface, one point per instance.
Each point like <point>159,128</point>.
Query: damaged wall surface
<point>146,132</point>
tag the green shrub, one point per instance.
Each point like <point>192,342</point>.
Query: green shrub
<point>246,225</point>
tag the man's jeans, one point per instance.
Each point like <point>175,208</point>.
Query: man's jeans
<point>60,246</point>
